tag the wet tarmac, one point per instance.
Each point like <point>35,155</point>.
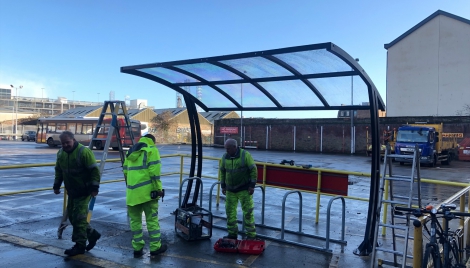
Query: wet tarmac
<point>29,221</point>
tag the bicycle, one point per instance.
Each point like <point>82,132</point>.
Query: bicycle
<point>438,235</point>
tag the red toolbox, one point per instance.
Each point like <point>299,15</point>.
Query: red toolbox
<point>251,247</point>
<point>254,247</point>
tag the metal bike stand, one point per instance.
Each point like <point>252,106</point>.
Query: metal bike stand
<point>284,211</point>
<point>343,222</point>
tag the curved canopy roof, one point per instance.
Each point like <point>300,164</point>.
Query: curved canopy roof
<point>310,77</point>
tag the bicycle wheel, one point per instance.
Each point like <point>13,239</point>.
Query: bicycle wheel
<point>454,254</point>
<point>432,258</point>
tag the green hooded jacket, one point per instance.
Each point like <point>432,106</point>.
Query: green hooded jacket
<point>142,171</point>
<point>239,172</point>
<point>78,170</point>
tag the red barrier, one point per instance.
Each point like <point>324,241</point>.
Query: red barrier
<point>304,179</point>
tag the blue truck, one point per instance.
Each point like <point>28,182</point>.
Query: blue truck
<point>434,145</point>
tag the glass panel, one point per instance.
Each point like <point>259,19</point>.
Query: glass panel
<point>252,96</point>
<point>314,61</point>
<point>292,93</point>
<point>257,67</point>
<point>168,75</point>
<point>209,72</point>
<point>212,98</point>
<point>337,90</point>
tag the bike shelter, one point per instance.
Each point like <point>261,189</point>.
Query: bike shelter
<point>301,78</point>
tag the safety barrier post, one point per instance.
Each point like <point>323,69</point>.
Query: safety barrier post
<point>418,246</point>
<point>181,169</point>
<point>462,209</point>
<point>387,182</point>
<point>317,213</point>
<point>467,244</point>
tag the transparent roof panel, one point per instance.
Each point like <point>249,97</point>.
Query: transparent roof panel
<point>212,98</point>
<point>209,72</point>
<point>333,90</point>
<point>292,93</point>
<point>252,96</point>
<point>278,79</point>
<point>257,67</point>
<point>314,61</point>
<point>168,75</point>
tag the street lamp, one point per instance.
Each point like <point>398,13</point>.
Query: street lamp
<point>241,119</point>
<point>73,98</point>
<point>353,136</point>
<point>16,111</point>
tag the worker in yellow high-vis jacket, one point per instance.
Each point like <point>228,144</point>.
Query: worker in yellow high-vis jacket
<point>238,175</point>
<point>144,187</point>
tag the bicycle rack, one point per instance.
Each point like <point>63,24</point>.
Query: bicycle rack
<point>342,242</point>
<point>343,221</point>
<point>284,211</point>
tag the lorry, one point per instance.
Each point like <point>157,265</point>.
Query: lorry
<point>434,145</point>
<point>388,137</point>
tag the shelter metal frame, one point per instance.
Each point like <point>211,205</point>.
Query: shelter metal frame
<point>309,77</point>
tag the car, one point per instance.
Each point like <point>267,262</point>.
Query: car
<point>29,136</point>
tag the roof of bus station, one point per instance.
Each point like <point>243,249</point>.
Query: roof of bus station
<point>311,77</point>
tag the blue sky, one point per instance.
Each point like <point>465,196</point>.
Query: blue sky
<point>67,46</point>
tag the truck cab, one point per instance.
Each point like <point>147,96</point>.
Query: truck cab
<point>425,137</point>
<point>434,145</point>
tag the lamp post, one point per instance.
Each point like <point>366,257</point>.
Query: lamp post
<point>352,114</point>
<point>241,114</point>
<point>16,110</point>
<point>98,97</point>
<point>73,98</point>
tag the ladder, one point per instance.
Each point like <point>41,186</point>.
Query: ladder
<point>399,225</point>
<point>113,118</point>
<point>119,118</point>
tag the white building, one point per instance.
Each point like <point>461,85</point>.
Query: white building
<point>428,68</point>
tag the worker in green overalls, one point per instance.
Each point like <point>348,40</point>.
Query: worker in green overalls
<point>144,187</point>
<point>238,175</point>
<point>77,168</point>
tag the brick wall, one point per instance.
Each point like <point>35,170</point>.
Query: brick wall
<point>336,138</point>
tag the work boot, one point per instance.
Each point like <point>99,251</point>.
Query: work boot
<point>162,249</point>
<point>138,253</point>
<point>75,250</point>
<point>92,242</point>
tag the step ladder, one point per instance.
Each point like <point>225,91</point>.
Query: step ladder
<point>399,225</point>
<point>117,118</point>
<point>113,118</point>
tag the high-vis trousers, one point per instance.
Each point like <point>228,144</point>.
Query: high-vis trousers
<point>151,216</point>
<point>77,209</point>
<point>231,204</point>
